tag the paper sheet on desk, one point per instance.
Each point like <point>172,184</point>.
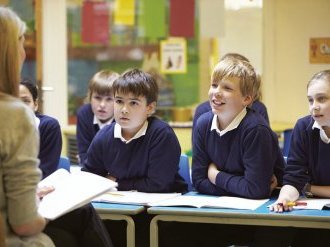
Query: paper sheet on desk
<point>313,203</point>
<point>134,197</point>
<point>212,202</point>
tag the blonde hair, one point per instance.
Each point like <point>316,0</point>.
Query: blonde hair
<point>101,83</point>
<point>12,28</point>
<point>257,90</point>
<point>322,75</point>
<point>232,67</point>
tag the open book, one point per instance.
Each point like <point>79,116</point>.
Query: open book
<point>212,202</point>
<point>134,197</point>
<point>72,190</point>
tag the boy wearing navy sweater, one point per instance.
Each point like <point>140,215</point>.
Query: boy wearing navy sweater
<point>235,152</point>
<point>97,113</point>
<point>138,151</point>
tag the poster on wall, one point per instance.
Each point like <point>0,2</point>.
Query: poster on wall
<point>173,56</point>
<point>319,50</point>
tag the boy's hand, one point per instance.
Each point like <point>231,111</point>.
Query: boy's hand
<point>111,178</point>
<point>273,183</point>
<point>212,173</point>
<point>280,206</point>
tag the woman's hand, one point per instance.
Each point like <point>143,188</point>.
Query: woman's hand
<point>41,192</point>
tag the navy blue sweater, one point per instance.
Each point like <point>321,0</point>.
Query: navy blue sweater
<point>246,157</point>
<point>149,163</point>
<point>86,130</point>
<point>50,144</point>
<point>309,156</point>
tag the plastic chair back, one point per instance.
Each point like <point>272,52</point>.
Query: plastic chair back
<point>184,170</point>
<point>64,163</point>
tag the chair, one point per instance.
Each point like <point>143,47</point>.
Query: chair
<point>184,170</point>
<point>64,163</point>
<point>286,141</point>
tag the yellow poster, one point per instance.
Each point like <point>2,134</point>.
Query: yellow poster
<point>319,50</point>
<point>173,56</point>
<point>124,13</point>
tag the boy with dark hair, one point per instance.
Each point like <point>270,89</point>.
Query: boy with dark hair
<point>138,151</point>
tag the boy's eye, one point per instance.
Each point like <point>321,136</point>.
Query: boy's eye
<point>134,103</point>
<point>322,99</point>
<point>118,101</point>
<point>310,101</point>
<point>98,97</point>
<point>227,88</point>
<point>214,85</point>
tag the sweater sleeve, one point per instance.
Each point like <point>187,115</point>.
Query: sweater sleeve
<point>259,153</point>
<point>19,147</point>
<point>84,135</point>
<point>50,146</point>
<point>296,170</point>
<point>201,161</point>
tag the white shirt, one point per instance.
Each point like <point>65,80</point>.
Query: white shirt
<point>323,135</point>
<point>101,125</point>
<point>233,125</point>
<point>141,132</point>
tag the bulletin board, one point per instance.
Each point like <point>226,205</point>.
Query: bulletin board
<point>319,50</point>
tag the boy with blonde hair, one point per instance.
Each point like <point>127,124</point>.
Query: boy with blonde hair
<point>97,113</point>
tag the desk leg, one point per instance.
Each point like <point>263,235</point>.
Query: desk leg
<point>154,240</point>
<point>130,231</point>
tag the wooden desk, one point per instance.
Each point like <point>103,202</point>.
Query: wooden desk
<point>109,211</point>
<point>260,216</point>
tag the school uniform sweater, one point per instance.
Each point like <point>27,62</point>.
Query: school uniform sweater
<point>50,144</point>
<point>149,163</point>
<point>257,105</point>
<point>86,130</point>
<point>247,157</point>
<point>309,156</point>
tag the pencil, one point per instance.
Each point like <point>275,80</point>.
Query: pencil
<point>291,204</point>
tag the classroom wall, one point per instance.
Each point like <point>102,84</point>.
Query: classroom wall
<point>287,28</point>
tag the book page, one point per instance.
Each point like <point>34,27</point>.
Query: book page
<point>134,197</point>
<point>234,203</point>
<point>212,202</point>
<point>187,201</point>
<point>71,191</point>
<point>313,203</point>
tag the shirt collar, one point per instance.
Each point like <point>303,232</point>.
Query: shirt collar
<point>233,125</point>
<point>37,120</point>
<point>323,135</point>
<point>101,125</point>
<point>141,132</point>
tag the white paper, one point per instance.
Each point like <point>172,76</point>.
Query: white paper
<point>134,197</point>
<point>71,191</point>
<point>212,202</point>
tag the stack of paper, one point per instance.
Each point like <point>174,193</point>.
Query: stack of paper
<point>72,190</point>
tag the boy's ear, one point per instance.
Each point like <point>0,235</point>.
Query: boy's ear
<point>36,105</point>
<point>248,100</point>
<point>152,108</point>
